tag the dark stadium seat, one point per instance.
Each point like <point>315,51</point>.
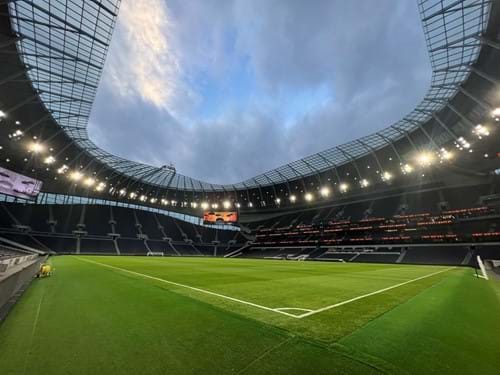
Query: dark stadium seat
<point>132,246</point>
<point>443,255</point>
<point>88,245</point>
<point>97,220</point>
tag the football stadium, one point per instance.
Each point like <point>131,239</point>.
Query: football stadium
<point>376,255</point>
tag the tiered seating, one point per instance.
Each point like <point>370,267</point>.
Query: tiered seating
<point>96,220</point>
<point>132,247</point>
<point>450,226</point>
<point>451,255</point>
<point>58,244</point>
<point>160,246</point>
<point>88,245</point>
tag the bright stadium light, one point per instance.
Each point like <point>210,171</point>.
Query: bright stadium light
<point>226,204</point>
<point>238,205</point>
<point>278,200</point>
<point>308,197</point>
<point>445,154</point>
<point>173,203</point>
<point>250,204</point>
<point>495,113</point>
<point>215,205</point>
<point>89,181</point>
<point>63,169</point>
<point>407,168</point>
<point>481,131</point>
<point>425,159</point>
<point>36,147</point>
<point>49,160</point>
<point>325,192</point>
<point>132,195</point>
<point>293,198</point>
<point>143,198</point>
<point>386,176</point>
<point>101,186</point>
<point>2,114</point>
<point>75,176</point>
<point>122,192</point>
<point>194,204</point>
<point>364,183</point>
<point>204,205</point>
<point>153,200</point>
<point>343,187</point>
<point>164,201</point>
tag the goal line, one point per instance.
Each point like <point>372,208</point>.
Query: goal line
<point>279,310</point>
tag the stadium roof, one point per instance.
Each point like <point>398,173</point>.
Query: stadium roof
<point>52,54</point>
<point>64,44</point>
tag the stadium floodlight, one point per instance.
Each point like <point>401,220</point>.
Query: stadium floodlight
<point>100,186</point>
<point>18,133</point>
<point>173,203</point>
<point>325,191</point>
<point>89,181</point>
<point>481,131</point>
<point>343,187</point>
<point>309,197</point>
<point>143,198</point>
<point>495,113</point>
<point>75,176</point>
<point>194,204</point>
<point>204,205</point>
<point>407,168</point>
<point>293,198</point>
<point>425,159</point>
<point>238,205</point>
<point>164,201</point>
<point>250,204</point>
<point>462,143</point>
<point>2,114</point>
<point>132,194</point>
<point>215,205</point>
<point>386,176</point>
<point>153,200</point>
<point>36,147</point>
<point>364,183</point>
<point>49,160</point>
<point>445,154</point>
<point>63,169</point>
<point>226,204</point>
<point>278,200</point>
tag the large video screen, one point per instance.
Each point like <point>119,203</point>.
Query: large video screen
<point>18,185</point>
<point>220,217</point>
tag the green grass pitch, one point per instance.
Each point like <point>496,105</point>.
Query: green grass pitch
<point>148,315</point>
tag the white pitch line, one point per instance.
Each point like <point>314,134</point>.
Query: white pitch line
<point>192,288</point>
<point>369,294</point>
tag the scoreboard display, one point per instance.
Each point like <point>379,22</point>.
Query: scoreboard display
<point>220,217</point>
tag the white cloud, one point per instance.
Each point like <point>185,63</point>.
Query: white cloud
<point>144,59</point>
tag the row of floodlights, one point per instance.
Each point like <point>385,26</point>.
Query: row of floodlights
<point>423,159</point>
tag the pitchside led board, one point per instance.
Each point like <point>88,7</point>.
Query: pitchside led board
<point>18,185</point>
<point>220,217</point>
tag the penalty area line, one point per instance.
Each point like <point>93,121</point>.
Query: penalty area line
<point>370,294</point>
<point>278,311</point>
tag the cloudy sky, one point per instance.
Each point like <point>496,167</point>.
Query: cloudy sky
<point>227,89</point>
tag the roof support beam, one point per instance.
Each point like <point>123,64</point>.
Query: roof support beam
<point>488,42</point>
<point>13,76</point>
<point>485,76</point>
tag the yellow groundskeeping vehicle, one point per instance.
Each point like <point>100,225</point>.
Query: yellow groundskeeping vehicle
<point>45,270</point>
